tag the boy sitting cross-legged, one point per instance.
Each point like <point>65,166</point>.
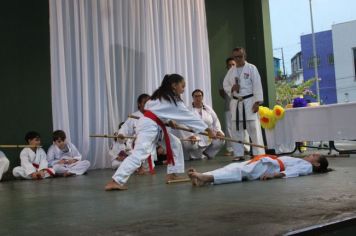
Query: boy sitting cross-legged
<point>64,157</point>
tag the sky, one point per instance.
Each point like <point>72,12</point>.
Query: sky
<point>290,19</point>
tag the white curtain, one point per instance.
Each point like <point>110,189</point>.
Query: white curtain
<point>104,53</point>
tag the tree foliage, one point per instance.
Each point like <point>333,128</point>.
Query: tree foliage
<point>288,90</point>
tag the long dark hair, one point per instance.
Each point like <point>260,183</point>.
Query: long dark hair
<point>323,167</point>
<point>165,91</point>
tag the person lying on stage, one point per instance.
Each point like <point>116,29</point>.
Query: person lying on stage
<point>262,167</point>
<point>34,163</point>
<point>64,157</point>
<point>4,164</point>
<point>165,105</point>
<point>201,146</point>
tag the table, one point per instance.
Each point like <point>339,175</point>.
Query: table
<point>320,123</point>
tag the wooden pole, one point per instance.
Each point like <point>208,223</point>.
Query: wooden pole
<point>18,146</point>
<point>206,134</point>
<point>110,136</point>
<point>178,181</point>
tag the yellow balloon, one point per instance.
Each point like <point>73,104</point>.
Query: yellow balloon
<point>267,119</point>
<point>278,112</point>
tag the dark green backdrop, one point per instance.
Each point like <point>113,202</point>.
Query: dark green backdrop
<point>25,87</point>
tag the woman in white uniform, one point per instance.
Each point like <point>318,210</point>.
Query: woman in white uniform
<point>201,146</point>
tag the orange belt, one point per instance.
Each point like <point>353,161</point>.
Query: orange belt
<point>259,157</point>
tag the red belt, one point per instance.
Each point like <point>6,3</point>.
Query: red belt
<point>152,116</point>
<point>259,157</point>
<point>47,169</point>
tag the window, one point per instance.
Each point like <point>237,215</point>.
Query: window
<point>311,61</point>
<point>331,59</point>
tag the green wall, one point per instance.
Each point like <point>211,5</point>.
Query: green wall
<point>25,89</point>
<point>245,23</point>
<point>25,86</point>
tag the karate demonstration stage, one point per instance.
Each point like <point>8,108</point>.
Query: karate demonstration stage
<point>80,206</point>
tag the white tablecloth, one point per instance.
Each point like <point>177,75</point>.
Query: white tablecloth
<point>321,123</point>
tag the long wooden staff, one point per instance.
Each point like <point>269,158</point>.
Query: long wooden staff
<point>206,134</point>
<point>18,146</point>
<point>190,140</point>
<point>174,181</point>
<point>110,136</point>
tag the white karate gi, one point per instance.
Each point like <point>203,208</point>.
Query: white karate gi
<point>54,155</point>
<point>205,146</point>
<point>4,164</point>
<point>250,83</point>
<point>235,172</point>
<point>149,133</point>
<point>30,159</point>
<point>129,128</point>
<point>117,147</point>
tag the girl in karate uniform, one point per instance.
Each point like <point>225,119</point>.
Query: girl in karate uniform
<point>164,106</point>
<point>262,167</point>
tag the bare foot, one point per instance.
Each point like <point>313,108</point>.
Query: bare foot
<point>112,185</point>
<point>199,179</point>
<point>173,177</point>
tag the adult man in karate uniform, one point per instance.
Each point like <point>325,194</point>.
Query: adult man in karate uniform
<point>243,85</point>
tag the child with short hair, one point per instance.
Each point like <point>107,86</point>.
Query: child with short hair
<point>4,164</point>
<point>64,157</point>
<point>34,163</point>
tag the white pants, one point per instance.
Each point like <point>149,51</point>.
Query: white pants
<point>235,172</point>
<point>19,172</point>
<point>77,168</point>
<point>115,164</point>
<point>228,133</point>
<point>194,151</point>
<point>253,128</point>
<point>145,143</point>
<point>4,164</point>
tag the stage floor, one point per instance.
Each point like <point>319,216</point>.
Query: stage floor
<point>80,206</point>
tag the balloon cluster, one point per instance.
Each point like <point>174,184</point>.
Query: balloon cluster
<point>268,117</point>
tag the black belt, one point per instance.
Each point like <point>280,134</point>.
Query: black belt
<point>240,99</point>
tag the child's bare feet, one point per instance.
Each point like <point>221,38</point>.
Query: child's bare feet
<point>112,185</point>
<point>199,179</point>
<point>173,177</point>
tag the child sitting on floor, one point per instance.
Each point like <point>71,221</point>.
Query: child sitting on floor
<point>64,157</point>
<point>34,163</point>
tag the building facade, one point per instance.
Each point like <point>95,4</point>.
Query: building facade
<point>344,43</point>
<point>297,68</point>
<point>325,64</point>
